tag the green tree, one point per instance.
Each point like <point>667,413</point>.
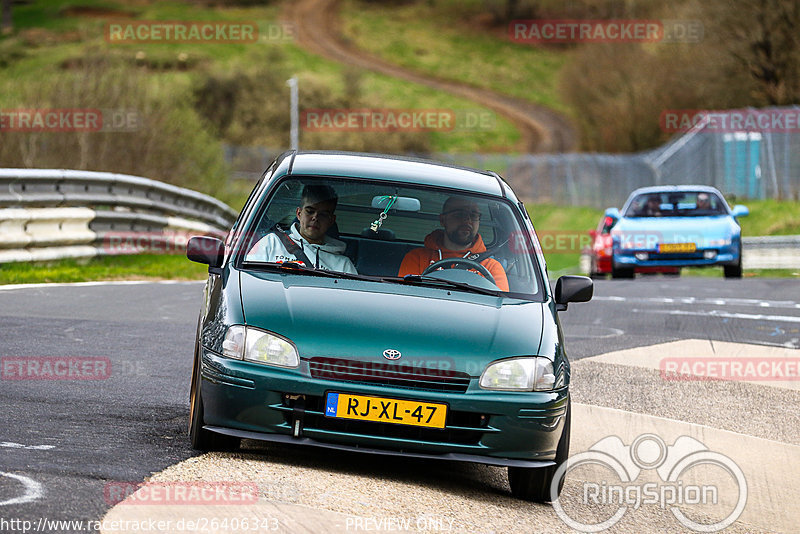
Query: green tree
<point>762,37</point>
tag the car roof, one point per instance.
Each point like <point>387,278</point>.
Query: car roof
<point>675,189</point>
<point>394,169</point>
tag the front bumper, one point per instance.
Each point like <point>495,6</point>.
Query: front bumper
<point>627,258</point>
<point>499,428</point>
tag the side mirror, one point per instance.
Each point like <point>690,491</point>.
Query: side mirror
<point>613,213</point>
<point>740,211</point>
<point>208,250</point>
<point>571,288</point>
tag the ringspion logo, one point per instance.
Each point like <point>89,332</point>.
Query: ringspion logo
<point>690,478</point>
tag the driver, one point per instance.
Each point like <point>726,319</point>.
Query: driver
<point>459,238</point>
<point>315,215</point>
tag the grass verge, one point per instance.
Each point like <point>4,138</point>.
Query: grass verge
<point>142,267</point>
<point>435,38</point>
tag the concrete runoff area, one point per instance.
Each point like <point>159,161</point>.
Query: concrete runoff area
<point>304,489</point>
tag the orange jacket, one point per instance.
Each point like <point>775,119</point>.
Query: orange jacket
<point>419,259</point>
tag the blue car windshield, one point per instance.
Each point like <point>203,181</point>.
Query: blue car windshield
<point>391,231</point>
<point>676,204</point>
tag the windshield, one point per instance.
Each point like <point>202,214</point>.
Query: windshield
<point>676,204</point>
<point>393,234</point>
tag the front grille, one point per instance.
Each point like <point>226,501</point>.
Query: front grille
<point>389,374</point>
<point>676,256</point>
<point>469,430</point>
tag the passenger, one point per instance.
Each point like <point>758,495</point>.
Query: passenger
<point>459,238</point>
<point>652,207</point>
<point>703,202</point>
<point>315,216</point>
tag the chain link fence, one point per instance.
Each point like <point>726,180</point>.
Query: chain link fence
<point>746,154</point>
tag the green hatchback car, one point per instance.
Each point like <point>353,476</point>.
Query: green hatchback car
<point>388,306</point>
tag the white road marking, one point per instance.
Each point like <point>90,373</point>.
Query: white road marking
<point>613,332</point>
<point>787,304</point>
<point>33,490</point>
<point>11,287</point>
<point>725,315</point>
<point>12,445</point>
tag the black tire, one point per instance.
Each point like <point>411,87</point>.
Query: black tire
<point>733,271</point>
<point>622,272</point>
<point>202,439</point>
<point>533,484</point>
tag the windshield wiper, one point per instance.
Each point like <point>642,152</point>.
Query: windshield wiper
<point>434,281</point>
<point>297,267</point>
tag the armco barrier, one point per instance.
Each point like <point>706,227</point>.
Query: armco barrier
<point>50,214</point>
<point>771,252</point>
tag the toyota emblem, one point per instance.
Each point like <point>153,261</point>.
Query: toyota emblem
<point>391,354</point>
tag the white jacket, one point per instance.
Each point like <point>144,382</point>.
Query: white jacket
<point>329,256</point>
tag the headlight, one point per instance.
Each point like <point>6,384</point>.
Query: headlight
<point>259,346</point>
<point>718,242</point>
<point>519,374</point>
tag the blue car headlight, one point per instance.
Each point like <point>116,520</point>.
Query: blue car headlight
<point>519,374</point>
<point>259,346</point>
<point>718,242</point>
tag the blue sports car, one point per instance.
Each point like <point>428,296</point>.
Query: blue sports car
<point>676,226</point>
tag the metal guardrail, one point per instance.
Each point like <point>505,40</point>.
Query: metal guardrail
<point>67,188</point>
<point>773,241</point>
<point>771,252</point>
<point>50,214</point>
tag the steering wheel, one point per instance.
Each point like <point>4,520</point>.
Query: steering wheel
<point>460,263</point>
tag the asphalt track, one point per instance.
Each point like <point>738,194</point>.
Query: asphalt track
<point>63,441</point>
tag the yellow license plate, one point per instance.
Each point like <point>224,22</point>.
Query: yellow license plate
<point>676,247</point>
<point>382,410</point>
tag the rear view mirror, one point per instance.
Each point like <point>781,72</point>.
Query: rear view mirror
<point>208,250</point>
<point>401,204</point>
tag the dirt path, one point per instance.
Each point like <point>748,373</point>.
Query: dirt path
<point>317,29</point>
